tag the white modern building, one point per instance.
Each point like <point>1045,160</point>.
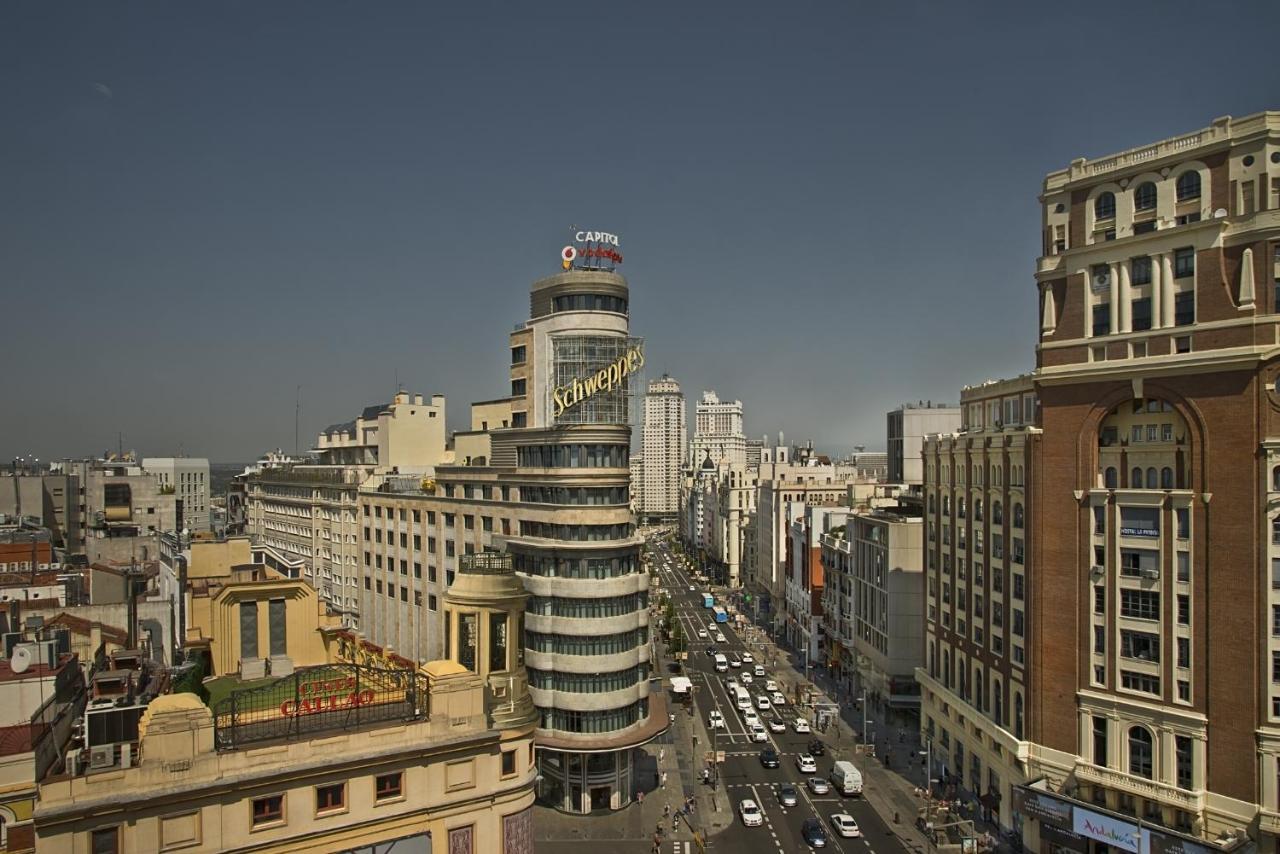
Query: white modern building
<point>907,426</point>
<point>663,442</point>
<point>718,431</point>
<point>188,478</point>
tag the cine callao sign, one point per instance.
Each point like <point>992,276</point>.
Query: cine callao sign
<point>325,696</point>
<point>605,379</point>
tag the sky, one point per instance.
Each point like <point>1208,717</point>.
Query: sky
<point>825,209</point>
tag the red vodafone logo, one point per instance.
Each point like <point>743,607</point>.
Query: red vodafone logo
<point>567,255</point>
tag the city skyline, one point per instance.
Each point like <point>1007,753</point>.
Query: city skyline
<point>222,207</point>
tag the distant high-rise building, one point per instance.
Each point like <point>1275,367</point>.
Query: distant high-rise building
<point>663,440</point>
<point>188,479</point>
<point>718,431</point>
<point>907,426</point>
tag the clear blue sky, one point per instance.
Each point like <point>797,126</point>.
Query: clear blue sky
<point>826,209</point>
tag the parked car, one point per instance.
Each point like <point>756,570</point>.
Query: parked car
<point>801,725</point>
<point>845,825</point>
<point>814,833</point>
<point>769,758</point>
<point>751,815</point>
<point>806,764</point>
<point>817,748</point>
<point>818,786</point>
<point>788,796</point>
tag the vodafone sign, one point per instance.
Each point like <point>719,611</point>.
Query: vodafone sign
<point>591,250</point>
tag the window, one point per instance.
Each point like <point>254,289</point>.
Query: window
<point>1100,640</point>
<point>1184,609</point>
<point>1139,604</point>
<point>1184,652</point>
<point>1143,646</point>
<point>268,810</point>
<point>508,763</point>
<point>1099,741</point>
<point>1099,599</point>
<point>1144,682</point>
<point>388,787</point>
<point>1141,315</point>
<point>1102,319</point>
<point>1182,516</point>
<point>1182,344</point>
<point>1188,186</point>
<point>1144,198</point>
<point>1110,479</point>
<point>1184,262</point>
<point>1018,517</point>
<point>1182,760</point>
<point>1144,227</point>
<point>1140,752</point>
<point>1104,207</point>
<point>518,387</point>
<point>331,798</point>
<point>518,355</point>
<point>105,840</point>
<point>1141,270</point>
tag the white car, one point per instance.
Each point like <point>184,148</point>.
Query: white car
<point>759,733</point>
<point>702,634</point>
<point>777,699</point>
<point>806,764</point>
<point>731,685</point>
<point>777,725</point>
<point>720,637</point>
<point>734,661</point>
<point>762,703</point>
<point>690,588</point>
<point>771,686</point>
<point>750,813</point>
<point>800,725</point>
<point>747,658</point>
<point>716,720</point>
<point>845,825</point>
<point>758,670</point>
<point>746,678</point>
<point>750,717</point>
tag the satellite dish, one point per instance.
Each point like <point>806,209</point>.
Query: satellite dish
<point>21,659</point>
<point>1102,279</point>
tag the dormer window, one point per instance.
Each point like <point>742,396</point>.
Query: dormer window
<point>1188,186</point>
<point>1104,207</point>
<point>1144,198</point>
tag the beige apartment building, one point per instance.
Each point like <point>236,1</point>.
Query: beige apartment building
<point>974,684</point>
<point>353,755</point>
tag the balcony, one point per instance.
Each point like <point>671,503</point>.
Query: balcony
<point>1151,790</point>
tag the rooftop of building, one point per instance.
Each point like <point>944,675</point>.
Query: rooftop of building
<point>1221,131</point>
<point>928,404</point>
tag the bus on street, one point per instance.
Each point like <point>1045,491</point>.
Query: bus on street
<point>708,601</point>
<point>721,615</point>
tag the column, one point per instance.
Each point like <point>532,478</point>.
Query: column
<point>1166,289</point>
<point>1115,297</point>
<point>1126,299</point>
<point>1157,282</point>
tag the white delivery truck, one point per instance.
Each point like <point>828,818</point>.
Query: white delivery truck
<point>722,663</point>
<point>846,778</point>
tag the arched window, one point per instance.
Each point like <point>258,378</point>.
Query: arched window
<point>1275,478</point>
<point>1153,481</point>
<point>1166,478</point>
<point>1017,516</point>
<point>946,670</point>
<point>1104,207</point>
<point>1140,751</point>
<point>933,504</point>
<point>997,513</point>
<point>1135,478</point>
<point>997,705</point>
<point>946,505</point>
<point>977,509</point>
<point>1111,480</point>
<point>1017,715</point>
<point>1144,198</point>
<point>1188,185</point>
<point>959,508</point>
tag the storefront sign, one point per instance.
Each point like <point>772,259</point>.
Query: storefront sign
<point>605,379</point>
<point>1043,808</point>
<point>1128,531</point>
<point>1117,834</point>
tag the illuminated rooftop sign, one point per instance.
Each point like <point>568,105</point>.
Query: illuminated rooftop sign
<point>591,250</point>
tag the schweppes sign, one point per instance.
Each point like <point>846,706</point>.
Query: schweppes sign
<point>605,379</point>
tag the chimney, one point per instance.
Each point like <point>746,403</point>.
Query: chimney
<point>417,400</point>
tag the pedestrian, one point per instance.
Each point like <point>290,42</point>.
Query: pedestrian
<point>666,810</point>
<point>664,779</point>
<point>662,753</point>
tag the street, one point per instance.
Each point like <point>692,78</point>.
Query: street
<point>742,775</point>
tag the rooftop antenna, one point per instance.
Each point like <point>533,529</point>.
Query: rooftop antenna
<point>297,415</point>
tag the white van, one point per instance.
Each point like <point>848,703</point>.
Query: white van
<point>722,663</point>
<point>742,700</point>
<point>846,778</point>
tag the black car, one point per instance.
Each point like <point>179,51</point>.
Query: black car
<point>711,651</point>
<point>817,748</point>
<point>769,758</point>
<point>814,833</point>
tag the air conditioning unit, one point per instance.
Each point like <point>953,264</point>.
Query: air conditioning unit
<point>1097,571</point>
<point>102,757</point>
<point>1150,573</point>
<point>72,762</point>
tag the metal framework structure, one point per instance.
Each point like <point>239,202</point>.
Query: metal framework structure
<point>318,699</point>
<point>581,358</point>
